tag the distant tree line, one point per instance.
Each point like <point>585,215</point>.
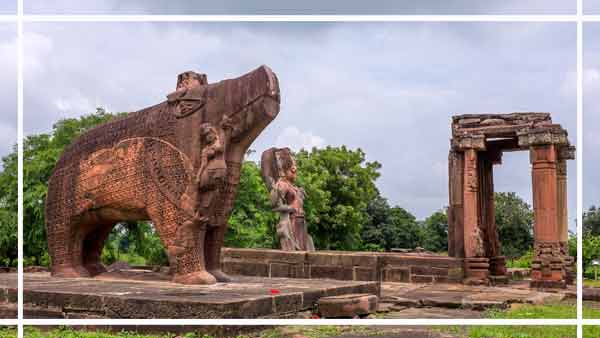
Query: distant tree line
<point>591,239</point>
<point>344,209</point>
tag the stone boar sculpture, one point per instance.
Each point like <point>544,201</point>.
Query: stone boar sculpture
<point>176,164</point>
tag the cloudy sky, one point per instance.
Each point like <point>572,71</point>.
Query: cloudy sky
<point>389,88</point>
<point>8,6</point>
<point>591,6</point>
<point>8,87</point>
<point>300,7</point>
<point>591,115</point>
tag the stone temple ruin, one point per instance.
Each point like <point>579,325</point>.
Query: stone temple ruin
<point>477,144</point>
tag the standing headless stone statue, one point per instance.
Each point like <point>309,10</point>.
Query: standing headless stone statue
<point>279,173</point>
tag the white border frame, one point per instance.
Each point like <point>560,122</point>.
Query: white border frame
<point>579,18</point>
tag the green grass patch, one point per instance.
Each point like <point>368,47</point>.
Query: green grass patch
<point>591,283</point>
<point>554,331</point>
<point>591,332</point>
<point>528,311</point>
<point>8,332</point>
<point>591,310</point>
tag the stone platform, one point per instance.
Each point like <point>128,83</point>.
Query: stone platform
<point>408,301</point>
<point>146,294</point>
<point>8,296</point>
<point>340,265</point>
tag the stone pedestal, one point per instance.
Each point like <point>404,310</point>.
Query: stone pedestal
<point>477,271</point>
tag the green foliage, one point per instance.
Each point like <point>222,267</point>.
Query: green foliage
<point>591,251</point>
<point>339,184</point>
<point>514,220</point>
<point>435,232</point>
<point>389,227</point>
<point>8,210</point>
<point>252,222</point>
<point>591,221</point>
<point>521,262</point>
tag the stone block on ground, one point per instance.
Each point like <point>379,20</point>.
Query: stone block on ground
<point>347,306</point>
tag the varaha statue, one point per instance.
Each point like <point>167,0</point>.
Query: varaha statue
<point>278,168</point>
<point>176,163</point>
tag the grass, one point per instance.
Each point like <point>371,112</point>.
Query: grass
<point>591,332</point>
<point>554,331</point>
<point>591,283</point>
<point>528,311</point>
<point>8,332</point>
<point>591,309</point>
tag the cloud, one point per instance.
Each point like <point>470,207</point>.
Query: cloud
<point>292,137</point>
<point>591,115</point>
<point>301,7</point>
<point>8,88</point>
<point>388,88</point>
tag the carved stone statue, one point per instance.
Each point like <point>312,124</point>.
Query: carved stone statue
<point>176,164</point>
<point>278,168</point>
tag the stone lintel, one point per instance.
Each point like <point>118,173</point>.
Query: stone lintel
<point>543,136</point>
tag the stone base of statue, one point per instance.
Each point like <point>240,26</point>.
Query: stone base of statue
<point>141,294</point>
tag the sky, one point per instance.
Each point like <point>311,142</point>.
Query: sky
<point>388,88</point>
<point>591,7</point>
<point>8,88</point>
<point>8,6</point>
<point>300,7</point>
<point>591,115</point>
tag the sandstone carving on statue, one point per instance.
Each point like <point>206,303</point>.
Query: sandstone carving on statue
<point>278,168</point>
<point>176,164</point>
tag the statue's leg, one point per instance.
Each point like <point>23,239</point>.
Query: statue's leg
<point>65,250</point>
<point>92,248</point>
<point>189,255</point>
<point>213,243</point>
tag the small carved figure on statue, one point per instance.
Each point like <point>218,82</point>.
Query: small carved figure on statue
<point>279,173</point>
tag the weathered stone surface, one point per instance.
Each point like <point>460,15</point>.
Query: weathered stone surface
<point>347,306</point>
<point>402,297</point>
<point>359,266</point>
<point>176,163</point>
<point>591,294</point>
<point>151,295</point>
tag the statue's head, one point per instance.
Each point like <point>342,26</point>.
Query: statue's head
<point>191,79</point>
<point>278,163</point>
<point>208,133</point>
<point>286,164</point>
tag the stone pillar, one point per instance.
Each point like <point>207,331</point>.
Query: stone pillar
<point>563,220</point>
<point>456,246</point>
<point>476,264</point>
<point>547,268</point>
<point>491,241</point>
<point>563,217</point>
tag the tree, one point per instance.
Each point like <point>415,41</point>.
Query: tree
<point>591,221</point>
<point>435,232</point>
<point>340,184</point>
<point>389,227</point>
<point>514,220</point>
<point>8,210</point>
<point>252,222</point>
